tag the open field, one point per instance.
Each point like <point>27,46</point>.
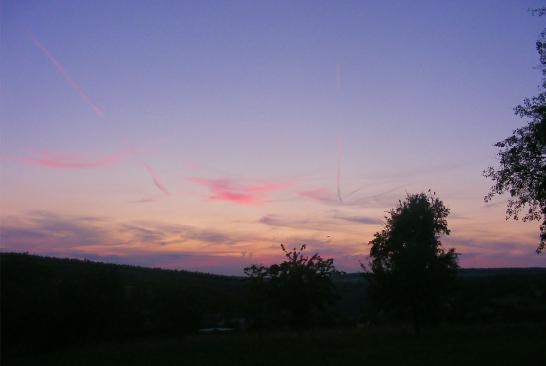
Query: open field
<point>491,345</point>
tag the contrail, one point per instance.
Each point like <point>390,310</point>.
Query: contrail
<point>60,68</point>
<point>339,158</point>
<point>338,77</point>
<point>339,142</point>
<point>155,178</point>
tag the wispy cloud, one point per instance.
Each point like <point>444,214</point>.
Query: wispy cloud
<point>69,80</point>
<point>135,242</point>
<point>148,199</point>
<point>224,189</point>
<point>41,231</point>
<point>74,160</point>
<point>365,220</point>
<point>37,231</point>
<point>496,203</point>
<point>217,250</point>
<point>326,196</point>
<point>332,221</point>
<point>299,223</point>
<point>323,195</point>
<point>386,198</point>
<point>476,259</point>
<point>156,179</point>
<point>488,245</point>
<point>168,234</point>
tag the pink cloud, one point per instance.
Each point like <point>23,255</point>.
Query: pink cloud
<point>244,199</point>
<point>74,160</point>
<point>223,189</point>
<point>71,82</point>
<point>155,178</point>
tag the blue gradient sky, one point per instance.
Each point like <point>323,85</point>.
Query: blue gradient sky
<point>202,134</point>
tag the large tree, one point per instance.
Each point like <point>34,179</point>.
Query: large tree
<point>411,272</point>
<point>522,158</point>
<point>294,287</point>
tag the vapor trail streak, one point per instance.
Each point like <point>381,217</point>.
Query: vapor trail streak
<point>60,68</point>
<point>338,77</point>
<point>155,178</point>
<point>339,158</point>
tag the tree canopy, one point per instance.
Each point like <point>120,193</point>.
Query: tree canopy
<point>522,158</point>
<point>411,272</point>
<point>296,286</point>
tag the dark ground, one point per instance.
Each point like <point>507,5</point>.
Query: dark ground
<point>69,312</point>
<point>523,344</point>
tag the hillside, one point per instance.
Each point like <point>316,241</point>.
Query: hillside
<point>49,302</point>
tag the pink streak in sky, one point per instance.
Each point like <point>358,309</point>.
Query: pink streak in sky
<point>268,187</point>
<point>60,68</point>
<point>338,172</point>
<point>75,161</point>
<point>155,178</point>
<point>223,189</point>
<point>241,198</point>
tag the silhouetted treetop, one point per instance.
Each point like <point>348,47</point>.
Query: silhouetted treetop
<point>411,272</point>
<point>297,286</point>
<point>522,158</point>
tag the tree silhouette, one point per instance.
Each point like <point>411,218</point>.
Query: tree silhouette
<point>296,286</point>
<point>522,171</point>
<point>411,272</point>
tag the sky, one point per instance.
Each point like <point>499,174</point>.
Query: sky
<point>201,135</point>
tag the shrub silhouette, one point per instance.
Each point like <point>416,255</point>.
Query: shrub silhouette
<point>411,272</point>
<point>293,288</point>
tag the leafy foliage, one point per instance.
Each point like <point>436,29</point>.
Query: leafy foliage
<point>522,158</point>
<point>412,273</point>
<point>296,286</point>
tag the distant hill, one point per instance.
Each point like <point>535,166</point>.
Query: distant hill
<point>71,264</point>
<point>477,272</point>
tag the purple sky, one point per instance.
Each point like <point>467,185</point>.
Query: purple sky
<point>202,134</point>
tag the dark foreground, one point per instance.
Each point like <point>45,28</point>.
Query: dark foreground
<point>523,344</point>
